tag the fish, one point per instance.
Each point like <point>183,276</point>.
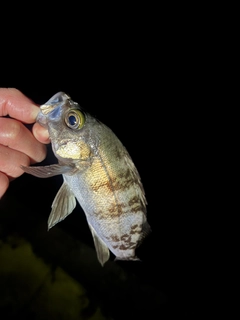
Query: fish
<point>98,171</point>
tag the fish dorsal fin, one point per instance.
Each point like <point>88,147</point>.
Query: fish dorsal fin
<point>62,206</point>
<point>46,171</point>
<point>135,175</point>
<point>102,250</point>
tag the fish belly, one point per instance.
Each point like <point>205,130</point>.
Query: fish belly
<point>112,202</point>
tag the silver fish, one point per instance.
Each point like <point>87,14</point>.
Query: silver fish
<point>99,172</point>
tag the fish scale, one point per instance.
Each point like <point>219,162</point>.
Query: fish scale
<point>99,173</point>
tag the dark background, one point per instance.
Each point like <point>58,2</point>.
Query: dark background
<point>146,83</point>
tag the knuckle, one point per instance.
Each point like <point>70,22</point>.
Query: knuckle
<point>15,130</point>
<point>10,131</point>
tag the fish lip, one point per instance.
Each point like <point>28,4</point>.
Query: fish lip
<point>42,119</point>
<point>47,108</point>
<point>58,100</point>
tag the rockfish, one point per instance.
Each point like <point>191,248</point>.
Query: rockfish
<point>97,171</point>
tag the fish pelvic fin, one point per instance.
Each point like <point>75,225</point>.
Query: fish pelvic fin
<point>46,171</point>
<point>101,248</point>
<point>62,205</point>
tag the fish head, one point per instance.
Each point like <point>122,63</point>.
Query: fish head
<point>69,127</point>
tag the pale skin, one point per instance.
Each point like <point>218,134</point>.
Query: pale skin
<point>18,145</point>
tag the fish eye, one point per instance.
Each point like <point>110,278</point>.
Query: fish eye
<point>75,119</point>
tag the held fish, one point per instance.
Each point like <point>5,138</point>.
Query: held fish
<point>97,171</point>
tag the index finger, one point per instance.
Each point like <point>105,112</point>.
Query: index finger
<point>15,104</point>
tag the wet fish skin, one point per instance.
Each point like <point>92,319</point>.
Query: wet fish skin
<point>98,171</point>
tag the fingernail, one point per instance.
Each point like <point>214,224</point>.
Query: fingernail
<point>35,111</point>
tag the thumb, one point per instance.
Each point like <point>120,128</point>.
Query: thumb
<point>40,133</point>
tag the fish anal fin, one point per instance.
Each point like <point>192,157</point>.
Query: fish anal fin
<point>62,205</point>
<point>101,248</point>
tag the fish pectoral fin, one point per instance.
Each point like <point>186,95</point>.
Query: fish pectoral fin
<point>102,250</point>
<point>62,205</point>
<point>46,171</point>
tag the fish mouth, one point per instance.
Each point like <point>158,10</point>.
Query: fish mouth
<point>57,101</point>
<point>42,119</point>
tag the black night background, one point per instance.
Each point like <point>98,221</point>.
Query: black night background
<point>150,98</point>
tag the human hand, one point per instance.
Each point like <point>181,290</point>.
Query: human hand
<point>18,145</point>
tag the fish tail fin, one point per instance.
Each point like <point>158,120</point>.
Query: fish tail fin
<point>146,230</point>
<point>134,258</point>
